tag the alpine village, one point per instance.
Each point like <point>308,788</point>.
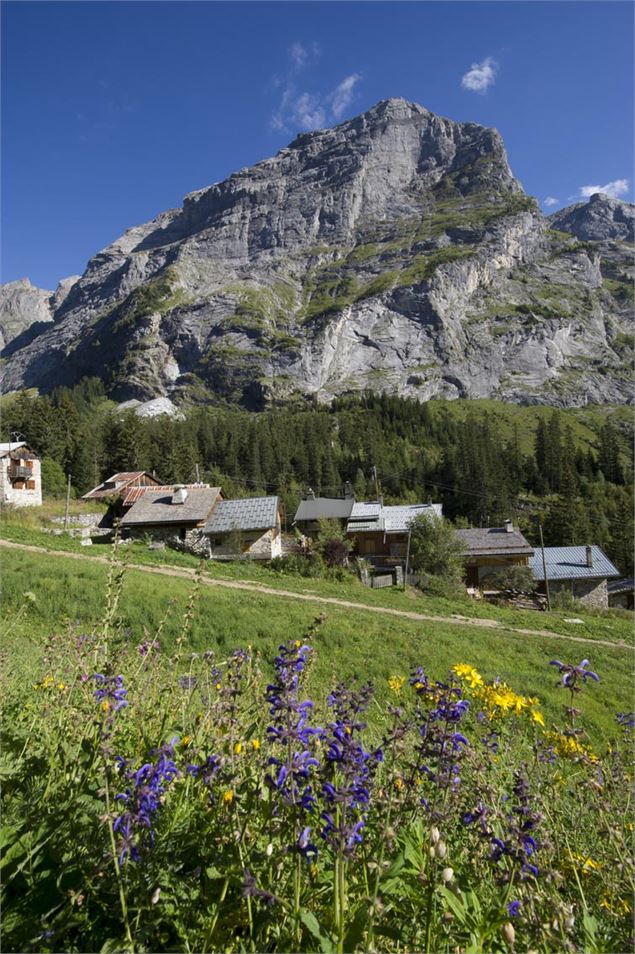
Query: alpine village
<point>314,492</point>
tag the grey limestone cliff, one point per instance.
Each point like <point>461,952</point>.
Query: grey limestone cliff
<point>394,252</point>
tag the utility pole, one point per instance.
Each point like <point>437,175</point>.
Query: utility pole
<point>68,500</point>
<point>198,476</point>
<point>405,576</point>
<point>544,567</point>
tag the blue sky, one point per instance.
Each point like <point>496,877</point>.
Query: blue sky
<point>112,112</point>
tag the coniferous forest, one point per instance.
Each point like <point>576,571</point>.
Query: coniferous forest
<point>484,463</point>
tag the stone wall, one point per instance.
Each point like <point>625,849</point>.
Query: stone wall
<point>256,546</point>
<point>590,592</point>
<point>194,541</point>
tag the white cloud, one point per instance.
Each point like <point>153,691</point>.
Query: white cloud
<point>300,109</point>
<point>615,189</point>
<point>298,54</point>
<point>480,76</point>
<point>550,200</point>
<point>342,96</point>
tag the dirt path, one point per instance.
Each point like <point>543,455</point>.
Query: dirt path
<point>457,620</point>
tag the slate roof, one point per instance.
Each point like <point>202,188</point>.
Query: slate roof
<point>491,541</point>
<point>390,519</point>
<point>624,585</point>
<point>366,510</point>
<point>328,507</point>
<point>116,484</point>
<point>11,446</point>
<point>17,450</point>
<point>250,513</point>
<point>156,507</point>
<point>569,563</point>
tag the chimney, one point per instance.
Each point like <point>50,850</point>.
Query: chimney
<point>310,494</point>
<point>589,556</point>
<point>348,490</point>
<point>509,526</point>
<point>179,496</point>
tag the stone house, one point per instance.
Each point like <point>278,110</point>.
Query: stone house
<point>621,592</point>
<point>582,571</point>
<point>176,516</point>
<point>249,528</point>
<point>491,549</point>
<point>380,533</point>
<point>20,476</point>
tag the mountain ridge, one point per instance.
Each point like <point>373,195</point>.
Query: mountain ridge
<point>395,251</point>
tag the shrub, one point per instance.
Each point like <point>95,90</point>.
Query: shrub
<point>435,549</point>
<point>513,579</point>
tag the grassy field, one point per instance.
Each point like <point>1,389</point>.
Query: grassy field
<point>70,595</point>
<point>613,626</point>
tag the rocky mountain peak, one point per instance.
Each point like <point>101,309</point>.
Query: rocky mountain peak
<point>601,218</point>
<point>395,251</point>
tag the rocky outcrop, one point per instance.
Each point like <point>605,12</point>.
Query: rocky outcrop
<point>393,252</point>
<point>600,219</point>
<point>25,310</point>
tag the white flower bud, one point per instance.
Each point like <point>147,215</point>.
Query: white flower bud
<point>569,922</point>
<point>431,851</point>
<point>269,850</point>
<point>440,849</point>
<point>435,834</point>
<point>447,875</point>
<point>507,930</point>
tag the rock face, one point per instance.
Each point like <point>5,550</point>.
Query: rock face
<point>394,252</point>
<point>600,219</point>
<point>25,310</point>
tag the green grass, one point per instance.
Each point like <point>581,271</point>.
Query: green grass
<point>71,593</point>
<point>612,626</point>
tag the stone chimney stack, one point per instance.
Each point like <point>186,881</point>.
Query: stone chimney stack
<point>509,526</point>
<point>589,556</point>
<point>179,496</point>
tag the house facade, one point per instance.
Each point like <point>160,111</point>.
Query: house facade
<point>249,528</point>
<point>582,571</point>
<point>380,533</point>
<point>20,475</point>
<point>621,593</point>
<point>491,549</point>
<point>175,516</point>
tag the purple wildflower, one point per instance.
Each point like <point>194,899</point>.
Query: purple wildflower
<point>142,800</point>
<point>573,675</point>
<point>290,730</point>
<point>513,908</point>
<point>348,770</point>
<point>110,692</point>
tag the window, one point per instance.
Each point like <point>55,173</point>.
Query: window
<point>182,533</point>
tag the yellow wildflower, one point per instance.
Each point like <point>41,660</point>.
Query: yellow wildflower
<point>538,717</point>
<point>399,784</point>
<point>228,797</point>
<point>568,746</point>
<point>61,686</point>
<point>396,682</point>
<point>238,747</point>
<point>185,741</point>
<point>297,643</point>
<point>105,705</point>
<point>469,674</point>
<point>255,744</point>
<point>218,685</point>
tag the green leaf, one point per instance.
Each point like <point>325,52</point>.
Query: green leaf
<point>312,924</point>
<point>356,928</point>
